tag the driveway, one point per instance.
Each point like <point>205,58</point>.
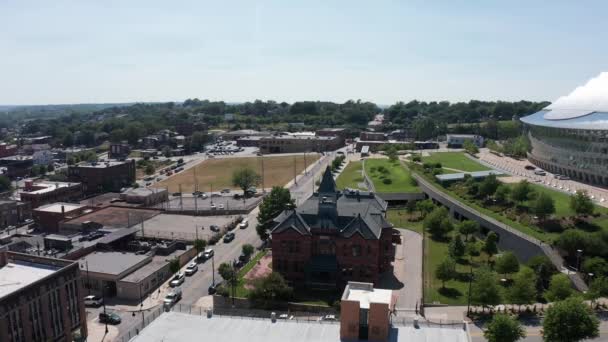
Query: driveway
<point>406,279</point>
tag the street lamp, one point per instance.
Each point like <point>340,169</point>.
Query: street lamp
<point>470,282</point>
<point>103,300</point>
<point>86,264</point>
<point>579,253</point>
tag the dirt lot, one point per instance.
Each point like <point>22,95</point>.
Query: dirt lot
<point>183,226</point>
<point>217,173</point>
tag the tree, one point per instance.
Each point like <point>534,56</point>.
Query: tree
<point>544,206</point>
<point>437,222</point>
<point>484,289</point>
<point>410,206</point>
<point>504,328</point>
<point>596,265</point>
<point>174,265</point>
<point>5,183</point>
<point>245,178</point>
<point>167,151</point>
<point>523,289</point>
<point>425,207</point>
<point>489,246</point>
<point>247,250</point>
<point>570,320</point>
<point>227,273</point>
<point>559,288</point>
<point>521,192</point>
<point>445,271</point>
<point>391,152</point>
<point>598,287</point>
<point>488,186</point>
<point>269,290</point>
<point>198,141</point>
<point>571,240</point>
<point>544,269</point>
<point>507,263</point>
<point>150,169</point>
<point>200,244</point>
<point>456,248</point>
<point>467,228</point>
<point>273,204</point>
<point>502,193</point>
<point>51,167</point>
<point>470,147</point>
<point>581,203</point>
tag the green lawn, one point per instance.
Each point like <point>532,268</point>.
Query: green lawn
<point>454,160</point>
<point>400,178</point>
<point>350,176</point>
<point>401,219</point>
<point>241,291</point>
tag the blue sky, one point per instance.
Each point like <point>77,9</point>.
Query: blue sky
<point>383,51</point>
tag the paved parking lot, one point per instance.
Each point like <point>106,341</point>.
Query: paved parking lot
<point>183,226</point>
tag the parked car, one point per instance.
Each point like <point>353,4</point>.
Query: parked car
<point>228,237</point>
<point>208,253</point>
<point>176,194</point>
<point>178,279</point>
<point>237,263</point>
<point>244,224</point>
<point>93,301</point>
<point>213,207</point>
<point>225,191</point>
<point>191,269</point>
<point>212,289</point>
<point>109,317</point>
<point>540,172</point>
<point>214,228</point>
<point>529,167</point>
<point>203,196</point>
<point>173,297</point>
<point>220,206</point>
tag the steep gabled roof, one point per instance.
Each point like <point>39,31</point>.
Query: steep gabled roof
<point>360,225</point>
<point>328,185</point>
<point>292,220</point>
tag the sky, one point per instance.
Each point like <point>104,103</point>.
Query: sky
<point>85,51</point>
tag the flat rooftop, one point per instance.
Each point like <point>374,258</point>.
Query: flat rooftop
<point>113,263</point>
<point>158,262</point>
<point>116,217</point>
<point>57,207</point>
<point>16,275</point>
<point>178,327</point>
<point>44,187</point>
<point>365,297</point>
<point>102,165</point>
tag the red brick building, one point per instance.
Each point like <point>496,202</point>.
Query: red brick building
<point>103,176</point>
<point>334,237</point>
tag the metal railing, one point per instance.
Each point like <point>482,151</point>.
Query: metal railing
<point>148,317</point>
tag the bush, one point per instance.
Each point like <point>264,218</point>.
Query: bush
<point>387,181</point>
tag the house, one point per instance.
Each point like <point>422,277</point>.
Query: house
<point>334,237</point>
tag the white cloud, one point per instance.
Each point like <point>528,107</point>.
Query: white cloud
<point>591,97</point>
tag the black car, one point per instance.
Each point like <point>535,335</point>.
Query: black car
<point>212,289</point>
<point>529,167</point>
<point>214,228</point>
<point>110,318</point>
<point>228,237</point>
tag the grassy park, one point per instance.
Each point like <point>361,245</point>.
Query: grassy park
<point>454,161</point>
<point>350,176</point>
<point>389,176</point>
<point>217,173</point>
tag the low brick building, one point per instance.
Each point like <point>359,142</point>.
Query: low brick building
<point>41,193</point>
<point>366,312</point>
<point>104,176</point>
<point>13,212</point>
<point>334,237</point>
<point>299,143</point>
<point>49,216</point>
<point>40,299</point>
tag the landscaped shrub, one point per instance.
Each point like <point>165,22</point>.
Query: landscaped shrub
<point>387,181</point>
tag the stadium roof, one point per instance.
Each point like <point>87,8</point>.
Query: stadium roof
<point>590,121</point>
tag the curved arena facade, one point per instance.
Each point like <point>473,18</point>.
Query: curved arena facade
<point>573,143</point>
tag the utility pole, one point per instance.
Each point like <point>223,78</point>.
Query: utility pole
<point>181,204</point>
<point>305,166</point>
<point>263,177</point>
<point>295,175</point>
<point>142,226</point>
<point>470,281</point>
<point>196,232</point>
<point>213,269</point>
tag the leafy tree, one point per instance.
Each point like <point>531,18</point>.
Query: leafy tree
<point>227,273</point>
<point>559,288</point>
<point>273,204</point>
<point>174,265</point>
<point>571,240</point>
<point>581,203</point>
<point>521,192</point>
<point>150,169</point>
<point>544,206</point>
<point>445,271</point>
<point>598,287</point>
<point>490,246</point>
<point>523,289</point>
<point>507,263</point>
<point>470,147</point>
<point>269,290</point>
<point>410,206</point>
<point>425,207</point>
<point>488,186</point>
<point>484,289</point>
<point>247,250</point>
<point>504,328</point>
<point>596,265</point>
<point>391,152</point>
<point>68,140</point>
<point>245,178</point>
<point>544,269</point>
<point>200,245</point>
<point>570,320</point>
<point>437,223</point>
<point>502,193</point>
<point>167,151</point>
<point>456,248</point>
<point>467,228</point>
